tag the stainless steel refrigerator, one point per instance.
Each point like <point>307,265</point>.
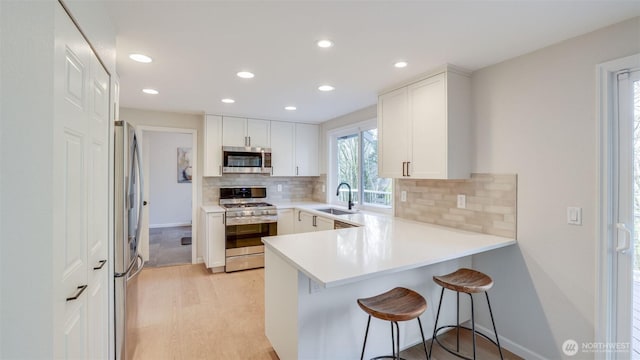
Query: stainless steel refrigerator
<point>127,219</point>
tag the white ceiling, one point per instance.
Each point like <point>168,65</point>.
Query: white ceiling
<point>198,46</point>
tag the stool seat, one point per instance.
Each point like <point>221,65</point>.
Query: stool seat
<point>398,304</point>
<point>465,280</point>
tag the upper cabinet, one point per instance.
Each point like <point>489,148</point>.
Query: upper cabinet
<point>245,132</point>
<point>306,150</point>
<point>424,128</point>
<point>282,148</point>
<point>212,146</point>
<point>294,149</point>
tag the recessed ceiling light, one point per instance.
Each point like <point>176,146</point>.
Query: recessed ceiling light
<point>150,91</point>
<point>326,88</point>
<point>228,101</point>
<point>245,75</point>
<point>401,64</point>
<point>325,43</point>
<point>290,108</point>
<point>140,58</point>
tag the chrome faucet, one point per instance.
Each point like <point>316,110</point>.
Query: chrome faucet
<point>338,193</point>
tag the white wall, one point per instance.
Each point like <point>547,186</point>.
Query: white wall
<point>169,201</point>
<point>535,115</point>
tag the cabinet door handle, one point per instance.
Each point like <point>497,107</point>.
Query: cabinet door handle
<point>315,218</point>
<point>403,173</point>
<point>220,169</point>
<point>408,162</point>
<point>296,170</point>
<point>249,140</point>
<point>100,265</point>
<point>299,212</point>
<point>79,292</point>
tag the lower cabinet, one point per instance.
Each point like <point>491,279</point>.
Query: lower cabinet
<point>308,222</point>
<point>214,252</point>
<point>285,221</point>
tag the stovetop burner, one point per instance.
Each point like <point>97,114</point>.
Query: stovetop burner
<point>246,205</point>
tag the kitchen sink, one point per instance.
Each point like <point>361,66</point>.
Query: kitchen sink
<point>334,211</point>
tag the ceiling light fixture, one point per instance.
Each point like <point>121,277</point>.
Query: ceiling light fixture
<point>228,101</point>
<point>140,58</point>
<point>401,64</point>
<point>245,74</point>
<point>326,88</point>
<point>290,108</point>
<point>150,91</point>
<point>325,43</point>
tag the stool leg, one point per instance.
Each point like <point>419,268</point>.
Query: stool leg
<point>393,342</point>
<point>494,326</point>
<point>435,326</point>
<point>365,338</point>
<point>397,355</point>
<point>424,342</point>
<point>473,328</point>
<point>458,321</point>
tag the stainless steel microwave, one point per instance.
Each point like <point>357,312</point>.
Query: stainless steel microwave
<point>246,160</point>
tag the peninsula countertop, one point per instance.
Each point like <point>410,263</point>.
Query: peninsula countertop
<point>382,245</point>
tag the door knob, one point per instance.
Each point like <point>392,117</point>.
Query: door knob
<point>144,203</point>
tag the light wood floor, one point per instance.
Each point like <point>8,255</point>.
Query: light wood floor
<point>185,312</point>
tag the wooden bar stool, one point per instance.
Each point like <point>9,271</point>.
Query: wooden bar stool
<point>466,281</point>
<point>398,304</point>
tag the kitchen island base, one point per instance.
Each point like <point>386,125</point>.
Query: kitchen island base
<point>304,320</point>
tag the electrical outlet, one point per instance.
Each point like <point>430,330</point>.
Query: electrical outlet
<point>462,201</point>
<point>403,196</point>
<point>324,188</point>
<point>279,187</point>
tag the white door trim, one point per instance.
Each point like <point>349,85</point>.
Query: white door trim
<point>606,112</point>
<point>194,182</point>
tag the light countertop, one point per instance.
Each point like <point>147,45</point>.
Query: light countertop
<point>212,208</point>
<point>381,245</point>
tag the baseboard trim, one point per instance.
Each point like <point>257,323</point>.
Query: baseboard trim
<point>156,226</point>
<point>512,346</point>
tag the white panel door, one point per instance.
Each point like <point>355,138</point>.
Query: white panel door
<point>71,159</point>
<point>394,129</point>
<point>306,154</point>
<point>427,111</point>
<point>98,246</point>
<point>626,293</point>
<point>258,133</point>
<point>323,223</point>
<point>212,145</point>
<point>285,221</point>
<point>234,131</point>
<point>282,148</point>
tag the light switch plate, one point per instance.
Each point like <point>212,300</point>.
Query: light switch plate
<point>324,188</point>
<point>403,196</point>
<point>279,187</point>
<point>462,201</point>
<point>574,215</point>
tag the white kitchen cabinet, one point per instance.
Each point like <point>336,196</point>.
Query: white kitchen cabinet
<point>212,146</point>
<point>285,221</point>
<point>306,150</point>
<point>214,249</point>
<point>282,148</point>
<point>308,222</point>
<point>424,128</point>
<point>245,132</point>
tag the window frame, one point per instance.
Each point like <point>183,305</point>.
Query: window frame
<point>332,166</point>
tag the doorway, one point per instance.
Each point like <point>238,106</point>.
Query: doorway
<point>169,161</point>
<point>619,226</point>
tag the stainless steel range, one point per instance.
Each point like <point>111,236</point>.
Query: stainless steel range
<point>248,219</point>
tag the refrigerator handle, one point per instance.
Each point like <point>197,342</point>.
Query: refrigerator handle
<point>140,261</point>
<point>141,203</point>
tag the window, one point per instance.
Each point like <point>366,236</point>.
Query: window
<point>355,162</point>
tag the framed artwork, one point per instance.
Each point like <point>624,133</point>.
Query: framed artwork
<point>184,165</point>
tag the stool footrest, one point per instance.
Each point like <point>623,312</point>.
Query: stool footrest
<point>461,327</point>
<point>387,357</point>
